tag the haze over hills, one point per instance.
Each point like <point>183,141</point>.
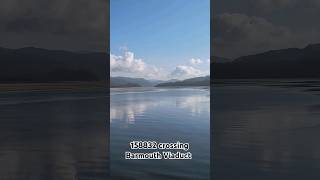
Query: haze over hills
<point>283,63</point>
<point>197,81</point>
<point>38,65</point>
<point>132,82</point>
<point>141,82</point>
<point>41,65</point>
<point>127,85</point>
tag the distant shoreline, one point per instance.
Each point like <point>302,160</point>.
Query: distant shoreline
<point>159,87</point>
<point>58,86</point>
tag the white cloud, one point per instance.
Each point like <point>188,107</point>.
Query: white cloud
<point>184,72</point>
<point>126,63</point>
<point>130,65</point>
<point>194,61</point>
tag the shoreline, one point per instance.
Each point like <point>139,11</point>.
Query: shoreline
<point>57,86</point>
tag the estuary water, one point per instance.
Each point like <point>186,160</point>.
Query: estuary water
<point>162,115</point>
<point>266,130</point>
<point>53,135</point>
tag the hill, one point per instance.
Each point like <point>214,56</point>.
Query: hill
<point>284,63</point>
<point>133,82</point>
<point>198,81</point>
<point>41,65</point>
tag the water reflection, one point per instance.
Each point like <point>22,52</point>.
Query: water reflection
<point>127,112</point>
<point>127,107</point>
<point>262,132</point>
<point>193,104</point>
<point>45,136</point>
<point>163,115</point>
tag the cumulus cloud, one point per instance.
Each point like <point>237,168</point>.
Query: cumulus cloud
<point>126,63</point>
<point>194,61</point>
<point>129,64</point>
<point>184,72</point>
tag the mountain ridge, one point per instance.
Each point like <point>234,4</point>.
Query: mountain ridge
<point>120,81</point>
<point>30,64</point>
<point>196,81</point>
<point>282,63</point>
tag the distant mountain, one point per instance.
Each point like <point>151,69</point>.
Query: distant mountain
<point>171,80</point>
<point>155,82</point>
<point>41,65</point>
<point>284,63</point>
<point>124,85</point>
<point>138,82</point>
<point>198,81</point>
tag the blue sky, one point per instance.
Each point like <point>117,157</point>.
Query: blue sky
<point>152,38</point>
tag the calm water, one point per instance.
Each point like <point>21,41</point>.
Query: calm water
<point>53,136</point>
<point>266,130</point>
<point>163,115</point>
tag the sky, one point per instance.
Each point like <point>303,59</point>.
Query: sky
<point>163,34</point>
<point>167,39</point>
<point>247,27</point>
<point>74,25</point>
